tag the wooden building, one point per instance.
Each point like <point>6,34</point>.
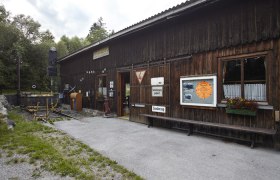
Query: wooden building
<point>152,67</point>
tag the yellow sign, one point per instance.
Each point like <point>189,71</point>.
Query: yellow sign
<point>101,53</point>
<point>203,90</point>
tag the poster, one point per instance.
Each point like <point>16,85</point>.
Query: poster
<point>198,91</point>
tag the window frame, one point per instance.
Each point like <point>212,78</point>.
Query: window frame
<point>241,57</point>
<point>97,85</point>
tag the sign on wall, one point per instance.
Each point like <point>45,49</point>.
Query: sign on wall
<point>157,81</point>
<point>111,84</point>
<point>101,53</point>
<point>140,75</point>
<point>160,109</point>
<point>157,91</point>
<point>198,91</point>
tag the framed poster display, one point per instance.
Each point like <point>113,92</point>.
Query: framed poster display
<point>198,91</point>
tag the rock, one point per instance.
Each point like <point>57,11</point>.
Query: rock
<point>3,110</point>
<point>4,102</point>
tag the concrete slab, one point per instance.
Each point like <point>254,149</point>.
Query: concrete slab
<point>160,154</point>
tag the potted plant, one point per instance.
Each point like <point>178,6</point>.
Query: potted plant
<point>241,106</point>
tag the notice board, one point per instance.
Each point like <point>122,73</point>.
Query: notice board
<point>198,91</point>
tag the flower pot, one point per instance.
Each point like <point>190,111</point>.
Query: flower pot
<point>245,112</point>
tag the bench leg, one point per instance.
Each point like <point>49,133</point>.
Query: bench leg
<point>253,139</point>
<point>150,122</point>
<point>190,129</point>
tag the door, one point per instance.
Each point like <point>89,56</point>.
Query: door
<point>123,94</point>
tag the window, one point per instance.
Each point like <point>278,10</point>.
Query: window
<point>245,77</point>
<point>102,88</point>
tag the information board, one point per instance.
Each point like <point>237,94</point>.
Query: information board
<point>198,91</point>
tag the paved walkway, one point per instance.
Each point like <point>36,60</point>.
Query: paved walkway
<point>160,154</point>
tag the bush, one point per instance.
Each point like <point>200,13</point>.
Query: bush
<point>240,103</point>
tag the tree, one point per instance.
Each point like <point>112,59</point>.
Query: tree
<point>75,43</point>
<point>20,36</point>
<point>4,15</point>
<point>46,36</point>
<point>71,44</point>
<point>9,35</point>
<point>28,27</point>
<point>97,31</point>
<point>61,49</point>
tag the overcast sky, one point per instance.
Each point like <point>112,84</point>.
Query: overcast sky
<point>74,17</point>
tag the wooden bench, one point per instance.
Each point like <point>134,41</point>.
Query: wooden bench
<point>252,130</point>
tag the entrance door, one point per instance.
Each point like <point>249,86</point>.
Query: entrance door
<point>124,94</point>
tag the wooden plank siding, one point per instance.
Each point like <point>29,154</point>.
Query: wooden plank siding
<point>188,44</point>
<point>142,93</point>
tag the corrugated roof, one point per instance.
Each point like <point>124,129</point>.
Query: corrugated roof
<point>144,23</point>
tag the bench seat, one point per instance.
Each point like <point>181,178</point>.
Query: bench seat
<point>252,130</point>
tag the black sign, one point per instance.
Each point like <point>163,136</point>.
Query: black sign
<point>52,57</point>
<point>52,71</point>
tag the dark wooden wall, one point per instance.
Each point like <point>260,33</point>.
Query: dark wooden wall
<point>142,93</point>
<point>225,24</point>
<point>207,63</point>
<point>204,64</point>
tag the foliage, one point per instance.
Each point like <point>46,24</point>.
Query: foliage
<point>28,27</point>
<point>240,103</point>
<point>21,41</point>
<point>4,15</point>
<point>97,31</point>
<point>68,45</point>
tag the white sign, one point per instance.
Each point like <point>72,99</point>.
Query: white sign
<point>111,84</point>
<point>157,91</point>
<point>160,109</point>
<point>157,81</point>
<point>139,105</point>
<point>111,93</point>
<point>101,53</point>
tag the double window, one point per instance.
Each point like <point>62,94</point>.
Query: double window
<point>245,77</point>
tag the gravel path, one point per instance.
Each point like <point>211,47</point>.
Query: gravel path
<point>156,153</point>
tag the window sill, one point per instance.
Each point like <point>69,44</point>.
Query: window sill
<point>261,106</point>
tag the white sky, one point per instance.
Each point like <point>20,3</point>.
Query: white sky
<point>75,17</point>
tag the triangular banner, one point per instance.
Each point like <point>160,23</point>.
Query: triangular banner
<point>140,75</point>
